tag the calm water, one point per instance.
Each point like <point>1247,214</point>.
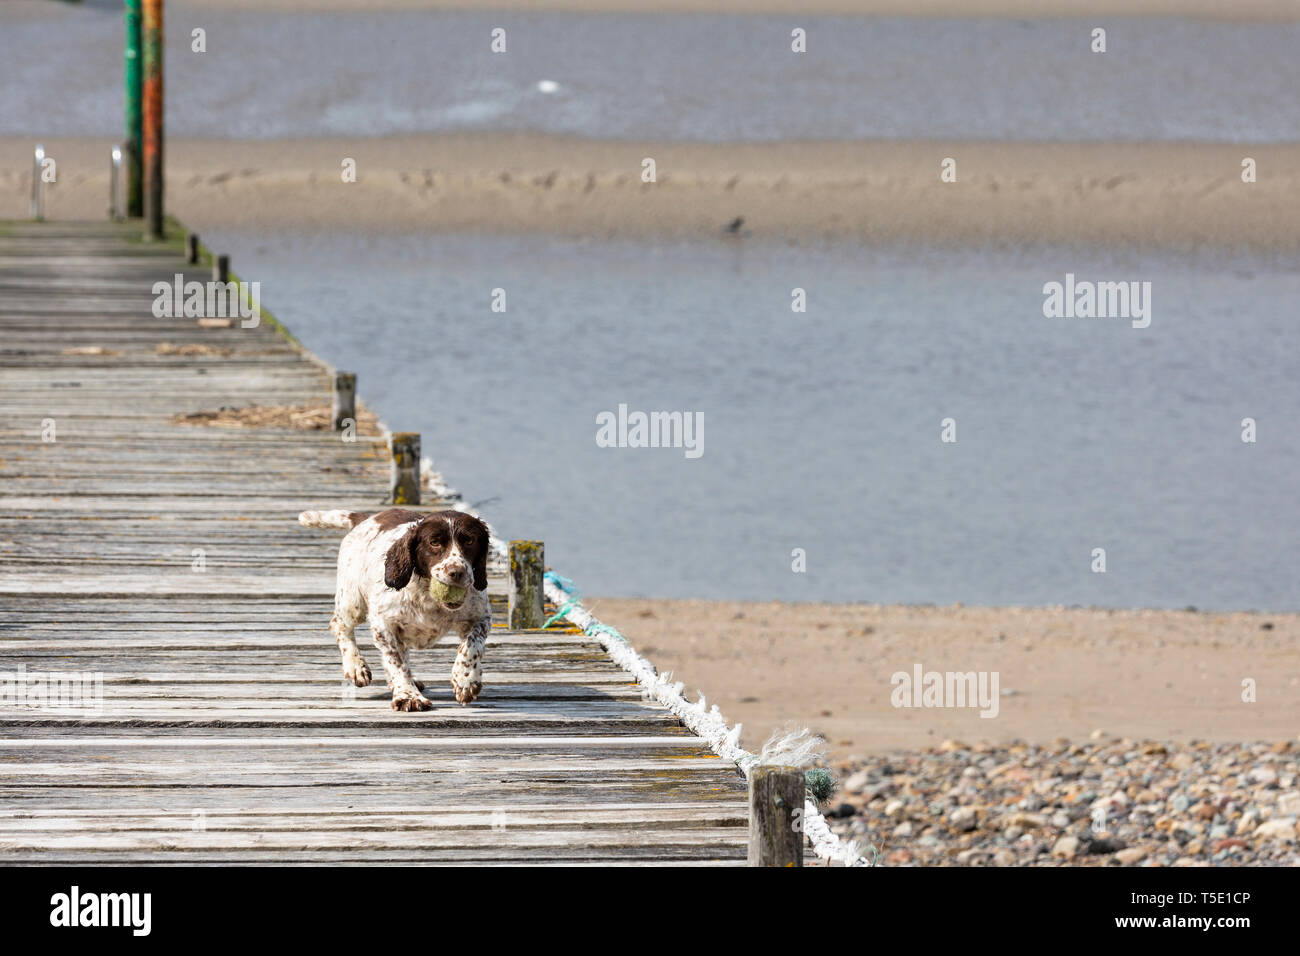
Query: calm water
<point>822,430</point>
<point>714,78</point>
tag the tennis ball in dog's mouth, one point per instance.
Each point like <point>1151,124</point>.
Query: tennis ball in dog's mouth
<point>446,593</point>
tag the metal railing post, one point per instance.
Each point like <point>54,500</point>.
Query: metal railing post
<point>151,36</point>
<point>115,185</point>
<point>38,186</point>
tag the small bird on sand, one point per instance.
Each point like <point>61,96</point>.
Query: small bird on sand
<point>733,227</point>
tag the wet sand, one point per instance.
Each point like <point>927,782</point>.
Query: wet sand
<point>1166,194</point>
<point>1144,674</point>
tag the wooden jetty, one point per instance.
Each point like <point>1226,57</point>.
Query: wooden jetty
<point>165,558</point>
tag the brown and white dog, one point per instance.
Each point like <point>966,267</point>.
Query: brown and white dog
<point>386,563</point>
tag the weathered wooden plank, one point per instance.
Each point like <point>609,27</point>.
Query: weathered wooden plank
<point>428,839</point>
<point>304,793</point>
<point>31,825</point>
<point>77,744</point>
<point>555,714</point>
<point>686,855</point>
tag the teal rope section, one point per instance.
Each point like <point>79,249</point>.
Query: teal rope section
<point>563,583</point>
<point>561,613</point>
<point>569,588</point>
<point>598,628</point>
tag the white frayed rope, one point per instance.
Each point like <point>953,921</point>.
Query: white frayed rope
<point>793,749</point>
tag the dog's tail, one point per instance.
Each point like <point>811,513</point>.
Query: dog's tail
<point>345,520</point>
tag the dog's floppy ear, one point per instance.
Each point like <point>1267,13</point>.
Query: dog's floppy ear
<point>479,564</point>
<point>399,563</point>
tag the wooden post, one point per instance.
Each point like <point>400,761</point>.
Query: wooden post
<point>152,126</point>
<point>776,799</point>
<point>134,121</point>
<point>405,450</point>
<point>192,249</point>
<point>221,268</point>
<point>345,399</point>
<point>527,565</point>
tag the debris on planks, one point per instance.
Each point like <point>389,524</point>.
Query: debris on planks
<point>91,350</point>
<point>311,417</point>
<point>191,348</point>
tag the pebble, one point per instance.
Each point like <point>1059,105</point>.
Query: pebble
<point>1276,830</point>
<point>1066,848</point>
<point>1028,821</point>
<point>1130,855</point>
<point>1022,804</point>
<point>1264,775</point>
<point>1105,845</point>
<point>858,782</point>
<point>1116,801</point>
<point>1231,843</point>
<point>963,819</point>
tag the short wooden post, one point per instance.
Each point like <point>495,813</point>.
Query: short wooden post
<point>405,450</point>
<point>192,248</point>
<point>776,799</point>
<point>345,399</point>
<point>151,37</point>
<point>527,565</point>
<point>221,268</point>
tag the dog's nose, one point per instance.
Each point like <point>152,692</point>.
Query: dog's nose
<point>458,572</point>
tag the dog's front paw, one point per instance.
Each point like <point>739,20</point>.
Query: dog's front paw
<point>411,702</point>
<point>466,690</point>
<point>357,671</point>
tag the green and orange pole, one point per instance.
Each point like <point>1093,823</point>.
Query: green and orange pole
<point>152,125</point>
<point>134,194</point>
